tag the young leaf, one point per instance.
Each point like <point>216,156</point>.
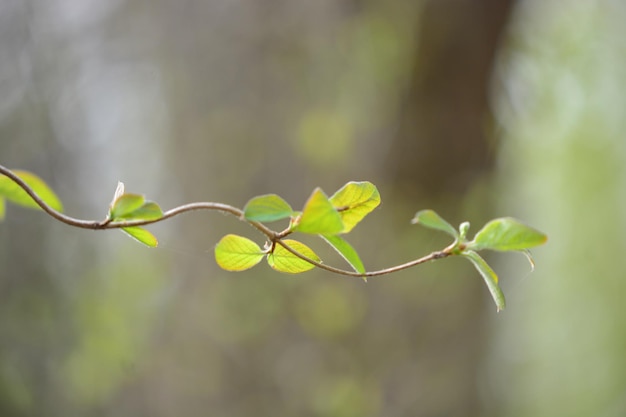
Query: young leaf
<point>319,216</point>
<point>267,208</point>
<point>148,211</point>
<point>15,194</point>
<point>506,234</point>
<point>346,251</point>
<point>126,204</point>
<point>354,201</point>
<point>490,277</point>
<point>119,191</point>
<point>141,235</point>
<point>463,229</point>
<point>284,261</point>
<point>237,253</point>
<point>430,219</point>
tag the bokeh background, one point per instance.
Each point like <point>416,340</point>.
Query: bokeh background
<point>476,109</point>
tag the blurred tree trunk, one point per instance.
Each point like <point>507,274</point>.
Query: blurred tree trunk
<point>441,144</point>
<point>441,149</point>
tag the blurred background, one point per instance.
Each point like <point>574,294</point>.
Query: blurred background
<point>476,109</point>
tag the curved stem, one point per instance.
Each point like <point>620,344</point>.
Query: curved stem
<point>273,236</point>
<point>86,224</point>
<point>109,224</point>
<point>224,208</point>
<point>430,257</point>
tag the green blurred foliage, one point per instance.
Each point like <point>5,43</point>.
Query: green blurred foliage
<point>115,310</point>
<point>328,310</point>
<point>361,69</point>
<point>560,351</point>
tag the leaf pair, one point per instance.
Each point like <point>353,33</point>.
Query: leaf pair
<point>341,212</point>
<point>237,253</point>
<point>12,192</point>
<point>321,215</point>
<point>134,207</point>
<point>327,217</point>
<point>504,234</point>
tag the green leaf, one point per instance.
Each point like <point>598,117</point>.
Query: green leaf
<point>319,216</point>
<point>463,229</point>
<point>126,204</point>
<point>506,234</point>
<point>432,220</point>
<point>119,191</point>
<point>267,208</point>
<point>346,251</point>
<point>284,261</point>
<point>354,201</point>
<point>15,194</point>
<point>141,235</point>
<point>237,253</point>
<point>148,211</point>
<point>490,277</point>
<point>2,209</point>
<point>127,207</point>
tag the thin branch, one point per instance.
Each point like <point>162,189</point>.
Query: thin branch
<point>224,208</point>
<point>109,224</point>
<point>52,212</point>
<point>430,257</point>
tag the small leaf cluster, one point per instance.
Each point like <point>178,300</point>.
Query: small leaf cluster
<point>127,207</point>
<point>326,217</point>
<point>504,234</point>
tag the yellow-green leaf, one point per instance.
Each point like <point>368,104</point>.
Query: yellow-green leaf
<point>126,204</point>
<point>141,235</point>
<point>237,253</point>
<point>490,277</point>
<point>15,194</point>
<point>148,211</point>
<point>284,261</point>
<point>2,208</point>
<point>506,234</point>
<point>267,208</point>
<point>354,201</point>
<point>346,251</point>
<point>319,216</point>
<point>432,220</point>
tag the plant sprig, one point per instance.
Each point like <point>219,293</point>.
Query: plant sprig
<point>328,217</point>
